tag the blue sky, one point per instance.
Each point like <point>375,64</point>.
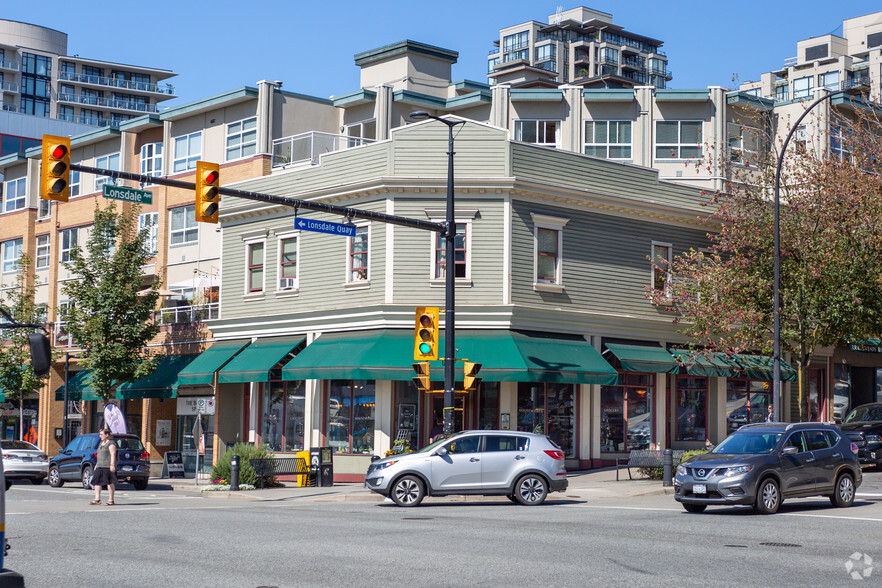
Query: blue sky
<point>221,45</point>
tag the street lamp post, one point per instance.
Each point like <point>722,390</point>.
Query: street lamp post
<point>449,275</point>
<point>776,310</point>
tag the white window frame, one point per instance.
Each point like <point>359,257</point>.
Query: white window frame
<point>190,225</point>
<point>12,252</point>
<point>539,129</point>
<point>668,277</point>
<point>293,287</point>
<point>357,133</point>
<point>188,160</point>
<point>151,160</point>
<point>461,217</point>
<point>735,137</point>
<point>243,139</point>
<point>149,222</point>
<point>74,183</point>
<point>111,162</point>
<point>804,93</point>
<point>594,144</point>
<point>551,223</point>
<point>15,195</point>
<point>67,239</point>
<point>44,250</point>
<point>679,145</point>
<point>824,81</point>
<point>44,209</point>
<point>247,292</point>
<point>349,281</point>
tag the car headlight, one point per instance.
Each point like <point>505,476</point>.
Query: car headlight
<point>737,471</point>
<point>874,438</point>
<point>681,470</point>
<point>383,466</point>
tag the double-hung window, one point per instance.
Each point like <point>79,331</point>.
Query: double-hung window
<point>15,195</point>
<point>255,262</point>
<point>43,251</point>
<point>151,159</point>
<point>460,253</point>
<point>44,209</point>
<point>288,263</point>
<point>610,139</point>
<point>188,150</point>
<point>148,223</point>
<point>108,162</point>
<point>678,139</point>
<point>74,183</point>
<point>661,267</point>
<point>68,238</point>
<point>538,132</point>
<point>803,87</point>
<point>548,245</point>
<point>242,138</point>
<point>11,255</point>
<point>357,256</point>
<point>744,143</point>
<point>184,228</point>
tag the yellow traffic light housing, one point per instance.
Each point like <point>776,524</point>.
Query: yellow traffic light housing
<point>422,380</point>
<point>425,345</point>
<point>470,378</point>
<point>207,191</point>
<point>55,169</point>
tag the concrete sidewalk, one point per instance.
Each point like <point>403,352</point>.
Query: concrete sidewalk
<point>599,483</point>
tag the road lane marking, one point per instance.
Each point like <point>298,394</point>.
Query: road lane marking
<point>783,514</point>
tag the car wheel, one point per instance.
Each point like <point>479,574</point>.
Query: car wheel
<point>768,497</point>
<point>694,507</point>
<point>8,483</point>
<point>408,491</point>
<point>531,490</point>
<point>55,478</point>
<point>139,484</point>
<point>37,481</point>
<point>87,477</point>
<point>844,494</point>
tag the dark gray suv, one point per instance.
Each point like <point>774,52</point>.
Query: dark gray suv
<point>762,464</point>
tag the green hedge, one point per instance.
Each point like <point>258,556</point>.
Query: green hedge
<point>659,473</point>
<point>245,451</point>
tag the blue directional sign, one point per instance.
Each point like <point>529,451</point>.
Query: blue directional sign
<point>305,224</point>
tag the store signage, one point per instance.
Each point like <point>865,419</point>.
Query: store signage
<point>190,405</point>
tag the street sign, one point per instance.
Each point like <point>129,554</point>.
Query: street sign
<point>305,224</point>
<point>127,194</point>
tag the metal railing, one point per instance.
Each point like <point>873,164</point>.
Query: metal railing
<point>61,336</point>
<point>9,86</point>
<point>307,147</point>
<point>108,102</point>
<point>88,120</point>
<point>9,64</point>
<point>197,313</point>
<point>10,108</point>
<point>167,90</point>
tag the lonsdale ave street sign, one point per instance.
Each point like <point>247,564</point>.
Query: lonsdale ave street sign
<point>128,194</point>
<point>325,227</point>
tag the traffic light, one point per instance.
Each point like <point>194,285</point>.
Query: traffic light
<point>425,345</point>
<point>55,169</point>
<point>207,191</point>
<point>422,380</point>
<point>41,353</point>
<point>470,378</point>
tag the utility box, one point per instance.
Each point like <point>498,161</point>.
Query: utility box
<point>304,480</point>
<point>321,461</point>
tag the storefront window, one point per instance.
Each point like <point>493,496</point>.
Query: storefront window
<point>272,419</point>
<point>691,422</point>
<point>626,413</point>
<point>282,414</point>
<point>549,409</point>
<point>747,401</point>
<point>295,411</point>
<point>9,414</point>
<point>350,421</point>
<point>407,414</point>
<point>488,406</point>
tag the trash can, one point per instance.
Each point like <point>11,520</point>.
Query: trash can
<point>303,481</point>
<point>321,461</point>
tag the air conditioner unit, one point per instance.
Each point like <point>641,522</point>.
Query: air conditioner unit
<point>287,283</point>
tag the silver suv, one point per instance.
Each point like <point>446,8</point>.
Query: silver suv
<point>762,464</point>
<point>525,467</point>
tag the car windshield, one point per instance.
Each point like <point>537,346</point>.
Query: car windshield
<point>865,414</point>
<point>748,443</point>
<point>431,446</point>
<point>129,444</point>
<point>17,445</point>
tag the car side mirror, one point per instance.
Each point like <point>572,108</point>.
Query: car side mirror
<point>374,458</point>
<point>441,451</point>
<point>790,450</point>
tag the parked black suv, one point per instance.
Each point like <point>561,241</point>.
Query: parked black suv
<point>863,425</point>
<point>76,461</point>
<point>764,463</point>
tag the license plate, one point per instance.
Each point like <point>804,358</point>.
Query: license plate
<point>699,489</point>
<point>27,459</point>
<point>127,468</point>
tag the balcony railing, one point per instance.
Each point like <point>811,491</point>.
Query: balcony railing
<point>167,89</point>
<point>10,65</point>
<point>197,313</point>
<point>307,147</point>
<point>8,87</point>
<point>10,108</point>
<point>62,337</point>
<point>89,120</point>
<point>863,81</point>
<point>108,102</point>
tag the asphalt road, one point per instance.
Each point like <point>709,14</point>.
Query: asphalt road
<point>160,538</point>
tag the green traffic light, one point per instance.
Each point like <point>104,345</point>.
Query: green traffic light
<point>425,348</point>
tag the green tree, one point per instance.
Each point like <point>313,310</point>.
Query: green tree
<point>17,378</point>
<point>111,312</point>
<point>831,254</point>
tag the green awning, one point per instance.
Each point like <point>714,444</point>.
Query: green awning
<point>755,367</point>
<point>162,383</point>
<point>506,356</point>
<point>77,388</point>
<point>651,359</point>
<point>255,361</point>
<point>201,370</point>
<point>760,367</point>
<point>712,365</point>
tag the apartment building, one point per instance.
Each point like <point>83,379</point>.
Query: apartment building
<point>582,47</point>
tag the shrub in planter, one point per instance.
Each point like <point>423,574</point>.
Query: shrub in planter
<point>245,451</point>
<point>659,473</point>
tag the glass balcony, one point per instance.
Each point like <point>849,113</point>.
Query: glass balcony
<point>9,65</point>
<point>308,147</point>
<point>10,108</point>
<point>166,90</point>
<point>197,313</point>
<point>8,87</point>
<point>108,102</point>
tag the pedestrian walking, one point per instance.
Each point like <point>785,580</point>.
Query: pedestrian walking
<point>770,417</point>
<point>105,468</point>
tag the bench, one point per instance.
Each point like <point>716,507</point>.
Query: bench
<point>645,458</point>
<point>274,466</point>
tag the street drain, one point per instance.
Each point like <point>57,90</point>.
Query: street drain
<point>776,544</point>
<point>734,545</point>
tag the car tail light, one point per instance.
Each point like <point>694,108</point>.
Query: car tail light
<point>6,456</point>
<point>44,457</point>
<point>555,453</point>
<point>854,448</point>
<point>145,455</point>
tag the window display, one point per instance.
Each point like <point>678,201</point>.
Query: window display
<point>549,409</point>
<point>691,409</point>
<point>747,401</point>
<point>350,418</point>
<point>282,416</point>
<point>626,413</point>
